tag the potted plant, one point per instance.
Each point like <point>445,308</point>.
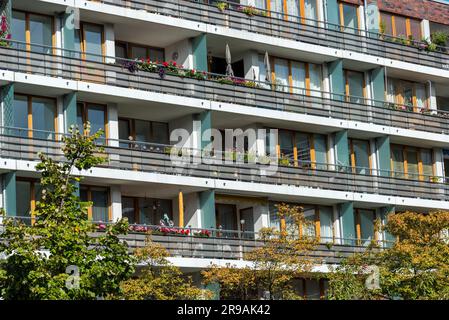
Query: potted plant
<point>222,6</point>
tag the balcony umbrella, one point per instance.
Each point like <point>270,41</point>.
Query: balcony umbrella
<point>266,61</point>
<point>229,71</point>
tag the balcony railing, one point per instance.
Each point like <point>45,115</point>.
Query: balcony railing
<point>156,158</point>
<point>294,28</point>
<point>227,244</point>
<point>67,64</point>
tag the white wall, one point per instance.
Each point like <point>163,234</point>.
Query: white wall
<point>109,42</point>
<point>183,49</point>
<point>113,124</point>
<point>116,202</point>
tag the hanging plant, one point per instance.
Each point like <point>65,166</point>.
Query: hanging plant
<point>4,35</point>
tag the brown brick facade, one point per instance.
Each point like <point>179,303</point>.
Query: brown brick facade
<point>421,9</point>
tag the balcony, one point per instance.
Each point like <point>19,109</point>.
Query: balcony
<point>295,28</point>
<point>233,246</point>
<point>207,86</point>
<point>156,158</point>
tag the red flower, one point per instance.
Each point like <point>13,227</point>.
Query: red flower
<point>165,64</point>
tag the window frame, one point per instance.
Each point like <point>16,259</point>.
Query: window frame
<point>358,226</point>
<point>347,89</point>
<point>353,158</point>
<point>132,128</point>
<point>85,110</point>
<point>88,188</point>
<point>407,24</point>
<point>29,98</point>
<point>421,176</point>
<point>128,49</point>
<point>33,200</point>
<point>285,15</point>
<point>311,139</point>
<point>28,31</point>
<point>399,86</point>
<point>83,40</point>
<point>307,88</point>
<point>341,4</point>
<point>137,208</point>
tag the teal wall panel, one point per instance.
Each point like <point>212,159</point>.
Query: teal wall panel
<point>384,157</point>
<point>207,206</point>
<point>378,80</point>
<point>342,148</point>
<point>347,223</point>
<point>332,12</point>
<point>337,80</point>
<point>199,49</point>
<point>7,96</point>
<point>10,193</point>
<point>69,102</point>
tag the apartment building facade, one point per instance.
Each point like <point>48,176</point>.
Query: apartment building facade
<point>357,92</point>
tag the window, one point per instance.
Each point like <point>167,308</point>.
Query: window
<point>400,26</point>
<point>128,50</point>
<point>355,86</point>
<point>320,221</point>
<point>349,17</point>
<point>99,196</point>
<point>142,131</point>
<point>410,96</point>
<point>95,114</point>
<point>226,218</point>
<point>302,149</point>
<point>34,117</point>
<point>301,11</point>
<point>364,225</point>
<point>147,211</point>
<point>34,31</point>
<point>27,193</point>
<point>292,76</point>
<point>89,40</point>
<point>411,163</point>
<point>359,153</point>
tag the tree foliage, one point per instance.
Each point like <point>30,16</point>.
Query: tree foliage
<point>159,279</point>
<point>38,255</point>
<point>281,256</point>
<point>416,266</point>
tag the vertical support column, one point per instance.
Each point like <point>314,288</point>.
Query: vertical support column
<point>336,79</point>
<point>438,164</point>
<point>378,86</point>
<point>109,36</point>
<point>383,156</point>
<point>207,206</point>
<point>432,95</point>
<point>7,115</point>
<point>336,225</point>
<point>342,149</point>
<point>347,223</point>
<point>332,13</point>
<point>181,209</point>
<point>116,203</point>
<point>69,107</point>
<point>199,50</point>
<point>112,129</point>
<point>10,193</point>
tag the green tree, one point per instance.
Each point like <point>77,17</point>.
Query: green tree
<point>281,257</point>
<point>38,255</point>
<point>415,267</point>
<point>159,279</point>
